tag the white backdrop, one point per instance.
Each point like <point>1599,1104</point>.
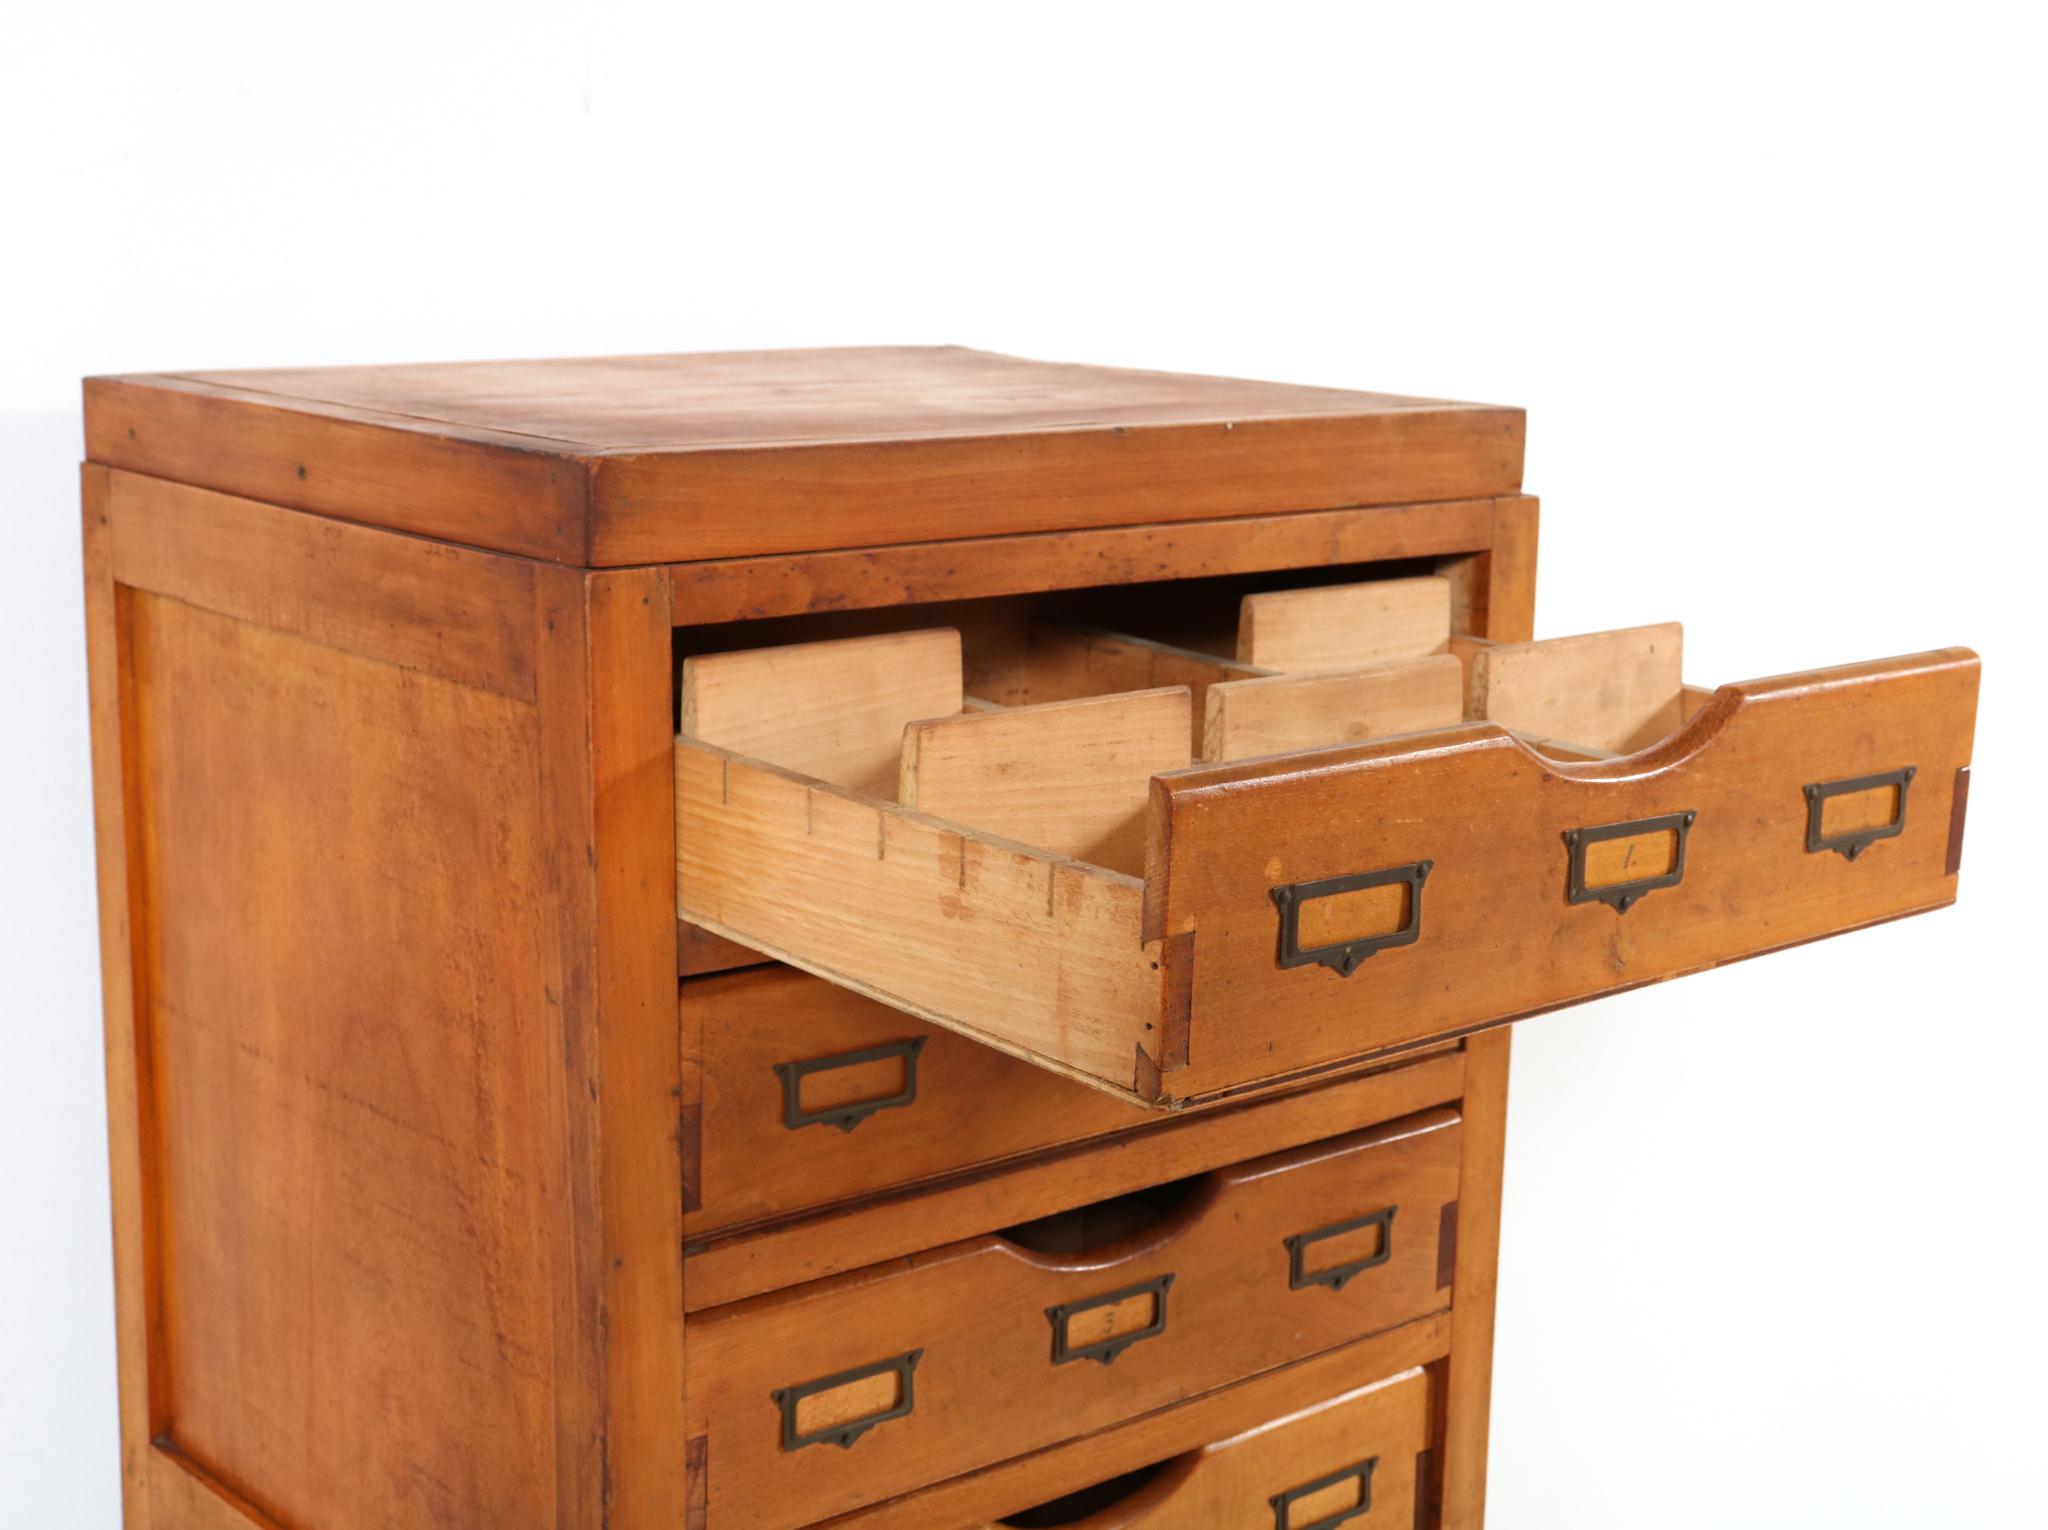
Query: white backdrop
<point>1767,278</point>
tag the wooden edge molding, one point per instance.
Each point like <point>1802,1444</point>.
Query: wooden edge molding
<point>561,501</point>
<point>172,558</point>
<point>1689,738</point>
<point>460,615</point>
<point>184,1496</point>
<point>523,495</point>
<point>743,589</point>
<point>790,497</point>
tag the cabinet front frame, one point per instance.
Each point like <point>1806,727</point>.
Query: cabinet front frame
<point>1486,547</point>
<point>590,651</point>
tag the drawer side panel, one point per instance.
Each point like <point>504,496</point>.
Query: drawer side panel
<point>1028,952</point>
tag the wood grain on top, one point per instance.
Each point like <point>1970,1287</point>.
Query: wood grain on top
<point>779,398</point>
<point>658,459</point>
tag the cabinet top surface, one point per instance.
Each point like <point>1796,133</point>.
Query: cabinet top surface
<point>662,458</point>
<point>721,400</point>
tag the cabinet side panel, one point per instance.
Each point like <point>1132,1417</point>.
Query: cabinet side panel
<point>105,648</point>
<point>345,1112</point>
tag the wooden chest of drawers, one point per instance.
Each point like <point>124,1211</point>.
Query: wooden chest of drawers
<point>896,938</point>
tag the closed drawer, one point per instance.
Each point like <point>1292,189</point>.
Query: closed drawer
<point>1353,1460</point>
<point>1057,879</point>
<point>801,1095</point>
<point>819,1400</point>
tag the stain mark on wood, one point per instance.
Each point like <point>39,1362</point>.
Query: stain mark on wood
<point>1427,1494</point>
<point>1176,1011</point>
<point>696,1477</point>
<point>1959,808</point>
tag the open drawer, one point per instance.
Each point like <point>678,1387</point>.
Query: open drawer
<point>1057,878</point>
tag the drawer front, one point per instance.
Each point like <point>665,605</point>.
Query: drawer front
<point>1351,1461</point>
<point>819,1400</point>
<point>1540,882</point>
<point>1301,912</point>
<point>800,1095</point>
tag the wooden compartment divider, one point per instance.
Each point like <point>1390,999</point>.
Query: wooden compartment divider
<point>1278,714</point>
<point>835,710</point>
<point>1343,626</point>
<point>1050,662</point>
<point>1072,777</point>
<point>1615,691</point>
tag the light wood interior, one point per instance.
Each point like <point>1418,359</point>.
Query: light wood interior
<point>1343,626</point>
<point>1276,714</point>
<point>1065,728</point>
<point>1039,661</point>
<point>1048,734</point>
<point>1618,691</point>
<point>938,919</point>
<point>1072,777</point>
<point>832,710</point>
<point>1057,744</point>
